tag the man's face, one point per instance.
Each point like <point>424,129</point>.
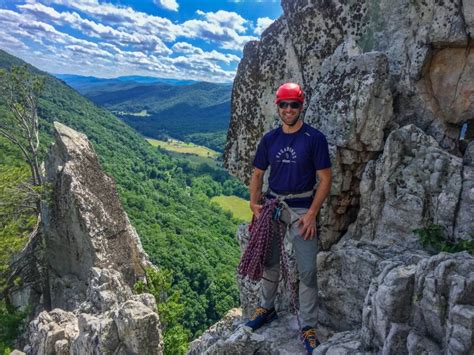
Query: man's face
<point>289,111</point>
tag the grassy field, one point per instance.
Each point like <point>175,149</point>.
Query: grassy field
<point>175,145</point>
<point>142,113</point>
<point>196,159</point>
<point>238,206</point>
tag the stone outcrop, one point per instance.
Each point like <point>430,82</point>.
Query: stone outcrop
<point>85,225</point>
<point>91,257</point>
<point>414,183</point>
<point>112,320</point>
<point>229,336</point>
<point>423,308</point>
<point>390,84</point>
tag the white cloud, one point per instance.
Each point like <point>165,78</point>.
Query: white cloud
<point>167,4</point>
<point>230,20</point>
<point>93,52</point>
<point>12,43</point>
<point>212,56</point>
<point>186,48</point>
<point>220,27</point>
<point>97,30</point>
<point>97,38</point>
<point>126,18</point>
<point>262,25</point>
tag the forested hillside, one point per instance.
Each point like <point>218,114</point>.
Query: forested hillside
<point>197,112</point>
<point>80,82</point>
<point>166,201</point>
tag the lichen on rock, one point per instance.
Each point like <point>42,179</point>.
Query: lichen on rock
<point>390,84</point>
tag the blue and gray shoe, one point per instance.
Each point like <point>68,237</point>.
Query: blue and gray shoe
<point>262,316</point>
<point>310,339</point>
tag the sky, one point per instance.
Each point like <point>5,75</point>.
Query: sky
<point>179,39</point>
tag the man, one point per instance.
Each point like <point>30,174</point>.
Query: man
<point>296,153</point>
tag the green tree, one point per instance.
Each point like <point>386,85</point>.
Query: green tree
<point>19,90</point>
<point>169,307</point>
<point>20,192</point>
<point>17,219</point>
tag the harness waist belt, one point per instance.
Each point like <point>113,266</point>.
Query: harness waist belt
<point>291,196</point>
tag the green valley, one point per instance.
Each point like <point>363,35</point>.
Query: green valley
<point>166,198</point>
<point>197,112</point>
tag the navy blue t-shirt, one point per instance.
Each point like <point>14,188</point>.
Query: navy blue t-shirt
<point>294,159</point>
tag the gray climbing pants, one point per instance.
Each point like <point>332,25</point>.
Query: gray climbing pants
<point>305,253</point>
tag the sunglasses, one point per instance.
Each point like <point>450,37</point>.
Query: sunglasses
<point>293,104</point>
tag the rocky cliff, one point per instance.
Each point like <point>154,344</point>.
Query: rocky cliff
<point>87,262</point>
<point>391,85</point>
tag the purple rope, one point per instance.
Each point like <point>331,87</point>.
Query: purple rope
<point>252,263</point>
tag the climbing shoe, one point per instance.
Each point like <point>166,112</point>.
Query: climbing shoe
<point>310,339</point>
<point>262,316</point>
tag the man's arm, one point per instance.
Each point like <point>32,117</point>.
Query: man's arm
<point>255,189</point>
<point>308,221</point>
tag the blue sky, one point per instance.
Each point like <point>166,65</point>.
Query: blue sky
<point>183,39</point>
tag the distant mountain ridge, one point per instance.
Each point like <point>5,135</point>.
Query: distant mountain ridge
<point>78,81</point>
<point>184,110</point>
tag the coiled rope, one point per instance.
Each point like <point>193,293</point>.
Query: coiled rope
<point>262,231</point>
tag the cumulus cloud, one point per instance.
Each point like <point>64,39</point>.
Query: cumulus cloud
<point>79,35</point>
<point>230,20</point>
<point>222,27</point>
<point>90,28</point>
<point>187,48</point>
<point>262,25</point>
<point>126,18</point>
<point>195,54</point>
<point>167,4</point>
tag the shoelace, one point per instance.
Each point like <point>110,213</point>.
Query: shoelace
<point>260,311</point>
<point>310,335</point>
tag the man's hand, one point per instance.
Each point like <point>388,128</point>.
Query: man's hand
<point>256,209</point>
<point>255,190</point>
<point>307,225</point>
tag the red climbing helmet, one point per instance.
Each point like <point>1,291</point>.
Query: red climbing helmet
<point>289,91</point>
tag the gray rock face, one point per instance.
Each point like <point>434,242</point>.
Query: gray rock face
<point>427,307</point>
<point>390,84</point>
<point>111,321</point>
<point>94,258</point>
<point>359,83</point>
<point>318,28</point>
<point>85,224</point>
<point>413,184</point>
<point>464,226</point>
<point>230,336</point>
